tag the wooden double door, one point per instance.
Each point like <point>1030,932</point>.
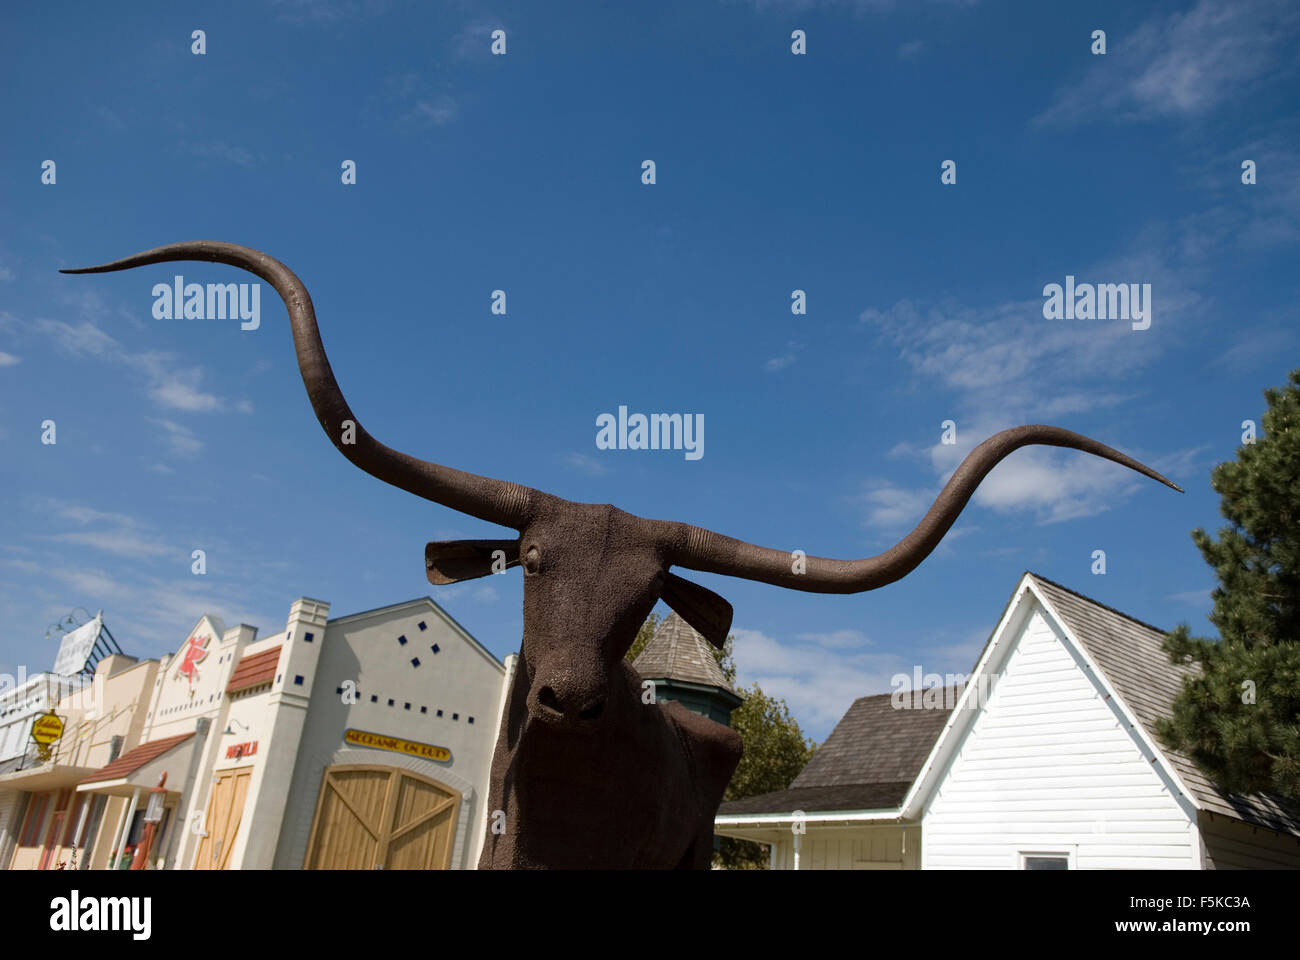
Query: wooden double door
<point>371,817</point>
<point>222,818</point>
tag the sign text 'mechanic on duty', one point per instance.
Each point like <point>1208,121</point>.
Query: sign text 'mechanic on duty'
<point>379,741</point>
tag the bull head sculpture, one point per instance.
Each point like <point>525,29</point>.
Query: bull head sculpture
<point>584,773</point>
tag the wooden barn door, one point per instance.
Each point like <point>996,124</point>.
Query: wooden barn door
<point>370,817</point>
<point>225,810</point>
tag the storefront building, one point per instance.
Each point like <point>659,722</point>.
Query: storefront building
<point>58,826</point>
<point>356,743</point>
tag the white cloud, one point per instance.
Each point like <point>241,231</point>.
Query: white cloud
<point>586,463</point>
<point>222,151</point>
<point>1181,65</point>
<point>8,359</point>
<point>169,387</point>
<point>887,507</point>
<point>820,674</point>
<point>323,12</point>
<point>779,363</point>
<point>474,40</point>
<point>182,439</point>
<point>124,538</point>
<point>120,543</point>
<point>437,110</point>
<point>1005,365</point>
<point>179,391</point>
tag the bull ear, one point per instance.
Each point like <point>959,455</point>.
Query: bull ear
<point>450,561</point>
<point>703,609</point>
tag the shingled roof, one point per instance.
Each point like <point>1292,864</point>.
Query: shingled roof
<point>867,763</point>
<point>677,652</point>
<point>133,760</point>
<point>1129,654</point>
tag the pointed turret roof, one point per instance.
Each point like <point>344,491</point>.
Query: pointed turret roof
<point>677,652</point>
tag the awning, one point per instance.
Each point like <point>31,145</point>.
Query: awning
<point>141,767</point>
<point>45,776</point>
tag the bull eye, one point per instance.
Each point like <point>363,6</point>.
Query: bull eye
<point>532,559</point>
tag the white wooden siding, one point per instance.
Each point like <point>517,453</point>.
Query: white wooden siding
<point>842,848</point>
<point>1048,766</point>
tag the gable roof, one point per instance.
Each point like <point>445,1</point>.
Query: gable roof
<point>867,763</point>
<point>678,652</point>
<point>1129,653</point>
<point>429,604</point>
<point>254,670</point>
<point>134,759</point>
<point>878,757</point>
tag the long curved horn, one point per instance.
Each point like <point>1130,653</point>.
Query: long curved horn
<point>493,500</point>
<point>701,549</point>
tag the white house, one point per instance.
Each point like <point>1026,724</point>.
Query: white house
<point>1047,760</point>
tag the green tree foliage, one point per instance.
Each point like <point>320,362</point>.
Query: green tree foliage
<point>1239,718</point>
<point>775,752</point>
<point>775,748</point>
<point>643,637</point>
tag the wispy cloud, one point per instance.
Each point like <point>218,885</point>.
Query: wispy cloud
<point>1183,64</point>
<point>222,151</point>
<point>117,534</point>
<point>911,49</point>
<point>325,12</point>
<point>421,102</point>
<point>169,387</point>
<point>820,674</point>
<point>1003,364</point>
<point>586,463</point>
<point>8,359</point>
<point>182,439</point>
<point>180,391</point>
<point>859,7</point>
<point>436,109</point>
<point>474,40</point>
<point>779,363</point>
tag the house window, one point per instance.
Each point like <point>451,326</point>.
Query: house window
<point>1044,861</point>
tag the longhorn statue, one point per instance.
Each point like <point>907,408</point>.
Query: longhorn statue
<point>584,773</point>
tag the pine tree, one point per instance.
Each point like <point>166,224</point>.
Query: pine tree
<point>1239,717</point>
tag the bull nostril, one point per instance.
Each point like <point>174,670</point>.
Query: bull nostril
<point>547,699</point>
<point>593,712</point>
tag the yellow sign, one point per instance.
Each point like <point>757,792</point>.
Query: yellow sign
<point>47,728</point>
<point>360,738</point>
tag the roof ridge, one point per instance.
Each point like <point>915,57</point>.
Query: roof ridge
<point>1098,603</point>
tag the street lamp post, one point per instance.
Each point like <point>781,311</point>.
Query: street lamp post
<point>153,813</point>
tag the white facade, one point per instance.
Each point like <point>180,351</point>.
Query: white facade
<point>21,704</point>
<point>462,681</point>
<point>261,741</point>
<point>1050,765</point>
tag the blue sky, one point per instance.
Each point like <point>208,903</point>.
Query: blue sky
<point>522,172</point>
